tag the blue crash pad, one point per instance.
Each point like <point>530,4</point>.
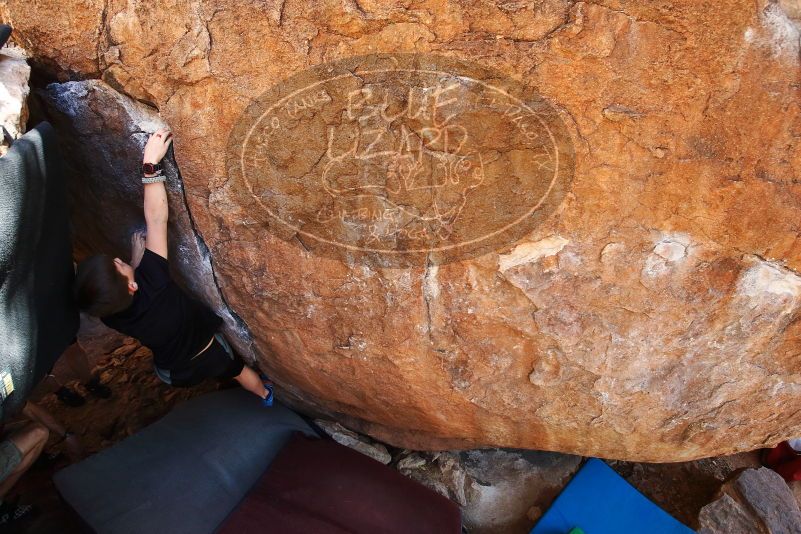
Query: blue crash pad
<point>599,501</point>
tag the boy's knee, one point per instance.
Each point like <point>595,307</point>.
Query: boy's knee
<point>33,436</point>
<point>39,432</point>
<point>38,435</point>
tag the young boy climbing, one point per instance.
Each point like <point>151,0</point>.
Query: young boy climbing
<point>142,301</point>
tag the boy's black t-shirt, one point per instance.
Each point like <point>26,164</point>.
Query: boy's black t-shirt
<point>164,318</point>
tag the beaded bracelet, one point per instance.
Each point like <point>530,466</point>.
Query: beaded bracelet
<point>153,179</point>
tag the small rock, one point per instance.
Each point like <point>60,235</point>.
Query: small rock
<point>757,500</point>
<point>141,352</point>
<point>351,439</point>
<point>727,515</point>
<point>413,461</point>
<point>106,376</point>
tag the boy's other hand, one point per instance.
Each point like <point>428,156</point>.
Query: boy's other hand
<point>138,240</point>
<point>157,146</point>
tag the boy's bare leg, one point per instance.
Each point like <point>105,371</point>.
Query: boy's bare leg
<point>37,414</point>
<point>249,380</point>
<point>30,441</point>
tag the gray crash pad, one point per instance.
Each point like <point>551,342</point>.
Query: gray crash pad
<point>185,472</point>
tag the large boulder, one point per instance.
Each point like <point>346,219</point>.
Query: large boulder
<point>649,310</point>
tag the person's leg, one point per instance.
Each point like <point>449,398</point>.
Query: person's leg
<point>219,361</point>
<point>236,368</point>
<point>790,470</point>
<point>25,445</point>
<point>251,381</point>
<point>30,441</point>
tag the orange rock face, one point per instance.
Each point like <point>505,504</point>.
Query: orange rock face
<point>646,309</point>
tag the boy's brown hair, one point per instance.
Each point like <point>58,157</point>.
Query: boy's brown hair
<point>100,289</point>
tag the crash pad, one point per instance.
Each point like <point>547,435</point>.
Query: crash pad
<point>599,501</point>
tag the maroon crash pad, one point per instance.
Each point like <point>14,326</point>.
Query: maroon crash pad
<point>319,486</point>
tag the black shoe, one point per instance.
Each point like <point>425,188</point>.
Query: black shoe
<point>70,397</point>
<point>97,389</point>
<point>11,512</point>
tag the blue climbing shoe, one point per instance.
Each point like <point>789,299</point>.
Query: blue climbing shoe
<point>268,401</point>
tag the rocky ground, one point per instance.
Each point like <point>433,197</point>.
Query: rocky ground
<point>500,491</point>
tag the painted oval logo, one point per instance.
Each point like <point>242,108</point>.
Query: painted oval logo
<point>400,159</point>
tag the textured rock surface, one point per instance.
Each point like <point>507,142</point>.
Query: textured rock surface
<point>499,491</point>
<point>757,500</point>
<point>14,76</point>
<point>102,134</point>
<point>654,316</point>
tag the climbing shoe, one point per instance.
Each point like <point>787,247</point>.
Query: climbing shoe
<point>268,385</point>
<point>268,400</point>
<point>70,397</point>
<point>97,389</point>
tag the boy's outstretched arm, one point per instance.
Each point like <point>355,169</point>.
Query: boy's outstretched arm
<point>156,209</point>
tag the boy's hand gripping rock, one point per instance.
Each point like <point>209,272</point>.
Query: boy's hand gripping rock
<point>157,146</point>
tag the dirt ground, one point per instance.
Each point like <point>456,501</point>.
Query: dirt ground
<point>139,398</point>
